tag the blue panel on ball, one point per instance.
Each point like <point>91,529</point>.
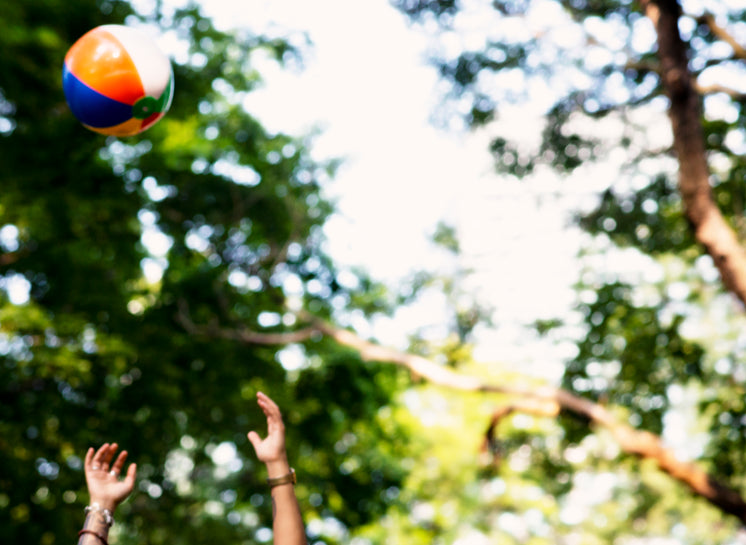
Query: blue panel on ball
<point>90,107</point>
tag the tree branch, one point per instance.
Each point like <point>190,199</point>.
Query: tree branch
<point>703,90</point>
<point>711,230</point>
<point>544,400</point>
<point>244,335</point>
<point>547,401</point>
<point>715,88</point>
<point>719,32</point>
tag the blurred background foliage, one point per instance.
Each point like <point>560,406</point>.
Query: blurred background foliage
<point>656,336</point>
<point>209,218</point>
<point>206,215</point>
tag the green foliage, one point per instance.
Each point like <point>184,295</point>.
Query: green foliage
<point>649,219</point>
<point>724,405</point>
<point>445,237</point>
<point>99,351</point>
<point>342,403</point>
<point>630,357</point>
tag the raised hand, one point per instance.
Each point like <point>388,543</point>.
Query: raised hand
<point>105,486</point>
<point>287,524</point>
<point>271,448</point>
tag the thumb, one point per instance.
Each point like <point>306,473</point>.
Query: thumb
<point>130,478</point>
<point>254,439</point>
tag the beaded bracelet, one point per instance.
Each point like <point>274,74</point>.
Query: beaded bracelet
<point>108,518</point>
<point>86,531</point>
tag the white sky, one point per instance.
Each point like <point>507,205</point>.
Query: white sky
<point>367,85</point>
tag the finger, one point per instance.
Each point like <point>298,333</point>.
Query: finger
<point>129,479</point>
<point>274,424</point>
<point>88,458</point>
<point>116,468</point>
<point>100,453</point>
<point>109,454</point>
<point>97,460</point>
<point>270,408</point>
<point>254,439</point>
<point>264,400</point>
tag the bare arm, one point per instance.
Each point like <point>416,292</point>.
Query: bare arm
<point>106,491</point>
<point>287,524</point>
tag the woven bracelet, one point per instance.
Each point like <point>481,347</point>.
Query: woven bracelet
<point>85,531</point>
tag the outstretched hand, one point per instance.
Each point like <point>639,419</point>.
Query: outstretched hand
<point>271,448</point>
<point>103,477</point>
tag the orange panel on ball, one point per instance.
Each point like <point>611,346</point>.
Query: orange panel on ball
<point>99,61</point>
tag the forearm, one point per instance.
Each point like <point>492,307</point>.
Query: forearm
<point>287,522</point>
<point>95,530</point>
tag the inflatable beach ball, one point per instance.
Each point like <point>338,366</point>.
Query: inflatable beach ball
<point>117,81</point>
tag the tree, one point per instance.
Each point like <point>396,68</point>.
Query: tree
<point>106,242</point>
<point>612,67</point>
<point>167,363</point>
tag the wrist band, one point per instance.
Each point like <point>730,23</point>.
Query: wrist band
<point>289,478</point>
<point>86,531</point>
<point>108,518</point>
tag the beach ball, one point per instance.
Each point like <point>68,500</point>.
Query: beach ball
<point>117,81</point>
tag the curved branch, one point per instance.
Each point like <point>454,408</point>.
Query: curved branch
<point>543,400</point>
<point>550,399</point>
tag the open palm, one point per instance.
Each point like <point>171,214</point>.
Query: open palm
<point>272,447</point>
<point>105,486</point>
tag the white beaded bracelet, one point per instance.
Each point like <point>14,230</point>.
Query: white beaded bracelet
<point>108,518</point>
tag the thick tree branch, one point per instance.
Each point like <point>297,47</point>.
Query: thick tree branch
<point>548,400</point>
<point>544,400</point>
<point>710,228</point>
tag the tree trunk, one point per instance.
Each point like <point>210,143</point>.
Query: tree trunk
<point>710,228</point>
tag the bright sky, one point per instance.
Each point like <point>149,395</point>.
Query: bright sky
<point>367,85</point>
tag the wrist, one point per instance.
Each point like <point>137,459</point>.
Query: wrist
<point>104,503</point>
<point>95,512</point>
<point>288,478</point>
<point>277,468</point>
